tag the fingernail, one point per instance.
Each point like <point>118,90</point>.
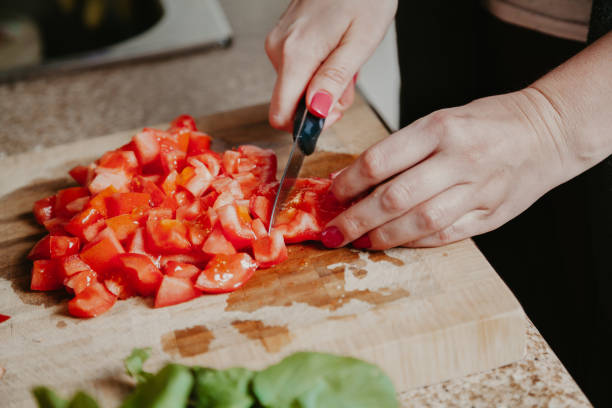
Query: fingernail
<point>320,104</point>
<point>332,237</point>
<point>355,77</point>
<point>363,242</point>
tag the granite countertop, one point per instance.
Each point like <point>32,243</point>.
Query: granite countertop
<point>57,109</point>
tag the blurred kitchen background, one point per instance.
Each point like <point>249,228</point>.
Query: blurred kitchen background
<point>71,59</point>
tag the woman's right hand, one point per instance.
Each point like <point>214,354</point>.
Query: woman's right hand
<point>318,46</point>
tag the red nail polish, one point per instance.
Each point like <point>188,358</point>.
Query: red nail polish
<point>363,242</point>
<point>331,237</point>
<point>320,104</point>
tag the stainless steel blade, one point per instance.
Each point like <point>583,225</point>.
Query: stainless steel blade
<point>292,170</point>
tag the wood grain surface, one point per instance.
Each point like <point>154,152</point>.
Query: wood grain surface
<point>423,315</point>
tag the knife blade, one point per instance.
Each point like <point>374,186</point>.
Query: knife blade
<point>306,130</point>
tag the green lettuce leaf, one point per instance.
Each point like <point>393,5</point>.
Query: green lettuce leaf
<point>222,388</point>
<point>47,398</point>
<point>318,380</point>
<point>169,388</point>
<point>82,400</point>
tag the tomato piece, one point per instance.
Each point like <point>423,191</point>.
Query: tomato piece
<point>44,209</point>
<point>198,143</point>
<point>98,202</point>
<point>224,199</point>
<point>81,281</point>
<point>41,250</point>
<point>212,160</point>
<point>56,226</point>
<point>259,228</point>
<point>171,156</point>
<point>264,159</point>
<point>174,290</point>
<point>216,243</point>
<point>227,185</point>
<point>189,211</point>
<point>225,273</point>
<point>118,285</point>
<point>248,183</point>
<point>125,203</point>
<point>183,122</point>
<point>167,236</point>
<point>101,253</point>
<point>199,182</point>
<point>71,265</point>
<point>46,275</point>
<point>261,208</point>
<point>197,258</point>
<point>104,178</point>
<point>230,161</point>
<point>270,250</point>
<point>91,302</point>
<point>86,224</point>
<point>61,246</point>
<point>303,227</point>
<point>4,318</point>
<point>82,174</point>
<point>147,146</point>
<point>142,184</point>
<point>123,225</point>
<point>118,160</point>
<point>181,270</point>
<point>143,276</point>
<point>235,227</point>
<point>169,184</point>
<point>65,197</point>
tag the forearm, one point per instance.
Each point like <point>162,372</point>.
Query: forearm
<point>575,101</point>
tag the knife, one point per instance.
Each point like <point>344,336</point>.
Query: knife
<point>306,130</point>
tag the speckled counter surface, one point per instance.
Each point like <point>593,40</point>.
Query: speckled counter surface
<point>54,110</point>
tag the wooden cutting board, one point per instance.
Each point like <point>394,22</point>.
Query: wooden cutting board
<point>423,315</point>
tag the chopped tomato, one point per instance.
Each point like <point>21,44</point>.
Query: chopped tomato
<point>86,225</point>
<point>4,318</point>
<point>65,197</point>
<point>261,207</point>
<point>142,184</point>
<point>167,236</point>
<point>104,178</point>
<point>270,250</point>
<point>46,275</point>
<point>82,174</point>
<point>216,243</point>
<point>98,202</point>
<point>117,284</point>
<point>183,122</point>
<point>100,254</point>
<point>236,229</point>
<point>123,225</point>
<point>302,227</point>
<point>41,250</point>
<point>92,301</point>
<point>248,183</point>
<point>61,246</point>
<point>199,182</point>
<point>223,199</point>
<point>212,160</point>
<point>198,143</point>
<point>125,203</point>
<point>118,160</point>
<point>172,157</point>
<point>44,209</point>
<point>181,270</point>
<point>81,281</point>
<point>174,290</point>
<point>259,228</point>
<point>264,160</point>
<point>142,275</point>
<point>71,265</point>
<point>147,146</point>
<point>225,273</point>
<point>169,184</point>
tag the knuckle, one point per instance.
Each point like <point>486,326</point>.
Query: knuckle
<point>432,218</point>
<point>396,197</point>
<point>380,239</point>
<point>354,226</point>
<point>372,162</point>
<point>289,47</point>
<point>446,235</point>
<point>337,75</point>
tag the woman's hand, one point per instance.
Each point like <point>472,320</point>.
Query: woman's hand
<point>453,174</point>
<point>318,46</point>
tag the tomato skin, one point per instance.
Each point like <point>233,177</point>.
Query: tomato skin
<point>44,209</point>
<point>41,250</point>
<point>248,183</point>
<point>62,246</point>
<point>147,146</point>
<point>142,184</point>
<point>167,236</point>
<point>226,273</point>
<point>100,254</point>
<point>92,301</point>
<point>117,178</point>
<point>235,229</point>
<point>198,143</point>
<point>302,227</point>
<point>65,197</point>
<point>174,290</point>
<point>261,207</point>
<point>118,160</point>
<point>216,243</point>
<point>123,225</point>
<point>71,265</point>
<point>82,174</point>
<point>181,270</point>
<point>86,224</point>
<point>141,274</point>
<point>270,250</point>
<point>125,203</point>
<point>4,318</point>
<point>46,275</point>
<point>81,281</point>
<point>183,122</point>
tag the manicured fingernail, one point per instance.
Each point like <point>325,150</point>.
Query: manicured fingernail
<point>320,104</point>
<point>332,237</point>
<point>355,77</point>
<point>363,242</point>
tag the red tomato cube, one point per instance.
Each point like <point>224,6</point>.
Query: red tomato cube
<point>142,275</point>
<point>235,229</point>
<point>167,236</point>
<point>46,275</point>
<point>123,225</point>
<point>71,265</point>
<point>65,197</point>
<point>86,225</point>
<point>41,249</point>
<point>44,209</point>
<point>181,270</point>
<point>175,290</point>
<point>216,243</point>
<point>101,253</point>
<point>125,203</point>
<point>147,146</point>
<point>226,273</point>
<point>81,281</point>
<point>61,246</point>
<point>92,301</point>
<point>270,250</point>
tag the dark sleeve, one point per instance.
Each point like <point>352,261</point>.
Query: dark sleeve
<point>601,19</point>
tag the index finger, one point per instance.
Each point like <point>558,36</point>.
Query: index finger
<point>396,153</point>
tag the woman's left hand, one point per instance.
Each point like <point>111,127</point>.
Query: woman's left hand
<point>453,174</point>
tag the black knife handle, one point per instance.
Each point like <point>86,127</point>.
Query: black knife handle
<point>313,125</point>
